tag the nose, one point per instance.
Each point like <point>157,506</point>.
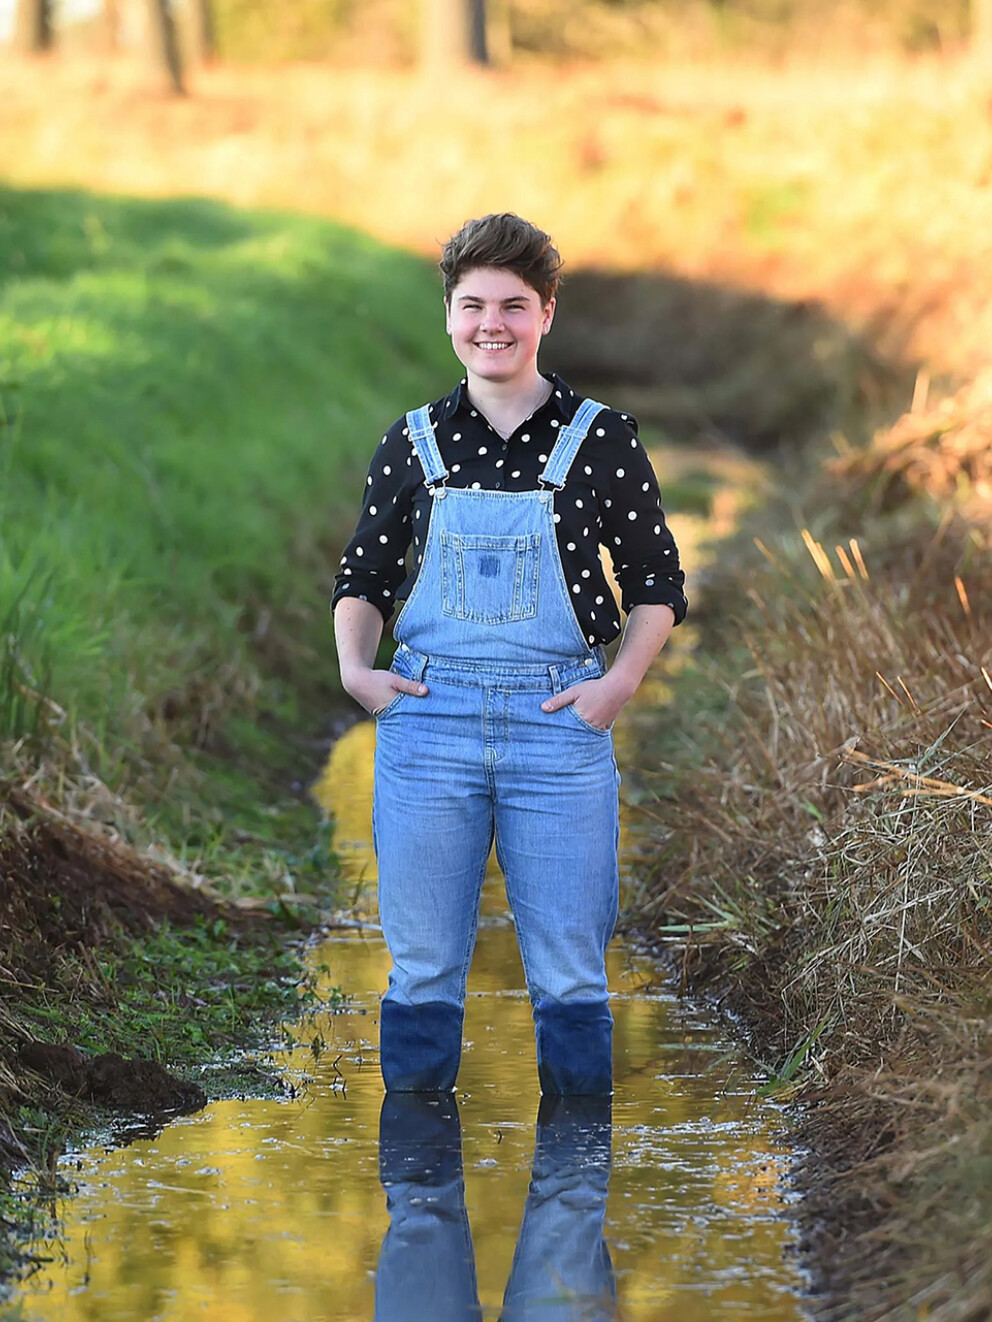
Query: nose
<point>492,317</point>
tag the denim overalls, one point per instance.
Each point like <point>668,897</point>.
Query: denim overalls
<point>490,628</point>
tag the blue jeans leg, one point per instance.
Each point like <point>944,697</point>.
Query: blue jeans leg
<point>432,826</point>
<point>557,835</point>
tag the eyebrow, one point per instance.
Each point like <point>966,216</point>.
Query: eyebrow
<point>477,298</point>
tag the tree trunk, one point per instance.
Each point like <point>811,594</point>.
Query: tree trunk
<point>111,25</point>
<point>163,46</point>
<point>33,26</point>
<point>981,28</point>
<point>453,32</point>
<point>204,31</point>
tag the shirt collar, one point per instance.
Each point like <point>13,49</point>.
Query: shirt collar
<point>563,401</point>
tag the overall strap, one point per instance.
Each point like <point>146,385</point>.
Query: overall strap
<point>425,446</point>
<point>567,445</point>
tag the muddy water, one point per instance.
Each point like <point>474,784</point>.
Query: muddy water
<point>276,1211</point>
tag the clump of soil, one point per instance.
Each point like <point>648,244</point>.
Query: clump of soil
<point>110,1080</point>
<point>65,893</point>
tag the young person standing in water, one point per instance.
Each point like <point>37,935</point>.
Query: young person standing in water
<point>495,716</point>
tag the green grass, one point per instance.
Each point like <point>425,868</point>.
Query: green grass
<point>188,398</point>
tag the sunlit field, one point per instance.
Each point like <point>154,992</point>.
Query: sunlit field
<point>868,187</point>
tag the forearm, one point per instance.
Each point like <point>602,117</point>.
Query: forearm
<point>647,631</point>
<point>357,631</point>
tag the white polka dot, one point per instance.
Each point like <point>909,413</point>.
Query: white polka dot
<point>383,538</point>
<point>400,561</point>
<point>608,503</point>
<point>599,601</point>
<point>387,470</point>
<point>347,571</point>
<point>359,550</point>
<point>585,573</point>
<point>649,582</point>
<point>372,509</point>
<point>542,458</point>
<point>616,624</point>
<point>616,541</point>
<point>633,444</point>
<point>557,518</point>
<point>385,592</point>
<point>592,615</point>
<point>342,560</point>
<point>499,463</point>
<point>632,515</point>
<point>363,597</point>
<point>554,422</point>
<point>476,486</point>
<point>419,558</point>
<point>515,473</point>
<point>585,532</point>
<point>368,481</point>
<point>668,553</point>
<point>456,468</point>
<point>621,472</point>
<point>483,450</point>
<point>578,504</point>
<point>657,529</point>
<point>457,436</point>
<point>558,393</point>
<point>625,417</point>
<point>526,436</point>
<point>475,413</point>
<point>600,431</point>
<point>570,546</point>
<point>383,441</point>
<point>588,470</point>
<point>406,431</point>
<point>646,486</point>
<point>416,514</point>
<point>409,462</point>
<point>576,588</point>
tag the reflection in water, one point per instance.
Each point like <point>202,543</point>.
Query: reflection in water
<point>561,1267</point>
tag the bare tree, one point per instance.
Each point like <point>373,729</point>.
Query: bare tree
<point>163,45</point>
<point>981,28</point>
<point>204,30</point>
<point>111,35</point>
<point>453,32</point>
<point>33,29</point>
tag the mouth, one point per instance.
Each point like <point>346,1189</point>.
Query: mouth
<point>493,346</point>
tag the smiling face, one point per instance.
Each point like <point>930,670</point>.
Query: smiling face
<point>496,321</point>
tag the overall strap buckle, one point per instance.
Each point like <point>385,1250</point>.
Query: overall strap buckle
<point>424,443</point>
<point>567,445</point>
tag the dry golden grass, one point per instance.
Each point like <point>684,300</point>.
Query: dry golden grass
<point>863,188</point>
<point>829,848</point>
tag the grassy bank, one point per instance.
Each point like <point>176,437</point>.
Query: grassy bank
<point>823,791</point>
<point>188,396</point>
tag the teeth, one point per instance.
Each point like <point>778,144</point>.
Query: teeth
<point>492,344</point>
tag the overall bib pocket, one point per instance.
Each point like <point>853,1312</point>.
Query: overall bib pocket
<point>489,579</point>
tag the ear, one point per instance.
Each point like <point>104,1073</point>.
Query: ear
<point>549,315</point>
<point>447,315</point>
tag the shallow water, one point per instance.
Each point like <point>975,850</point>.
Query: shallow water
<point>277,1210</point>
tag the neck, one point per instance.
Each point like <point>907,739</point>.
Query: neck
<point>507,403</point>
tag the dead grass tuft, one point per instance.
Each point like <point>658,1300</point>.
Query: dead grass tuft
<point>829,852</point>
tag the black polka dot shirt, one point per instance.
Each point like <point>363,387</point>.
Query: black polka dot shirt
<point>610,498</point>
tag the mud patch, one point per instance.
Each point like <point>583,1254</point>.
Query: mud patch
<point>110,1080</point>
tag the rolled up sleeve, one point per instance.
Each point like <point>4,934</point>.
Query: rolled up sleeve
<point>373,565</point>
<point>645,556</point>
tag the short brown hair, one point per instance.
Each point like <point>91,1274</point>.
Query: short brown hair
<point>507,242</point>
